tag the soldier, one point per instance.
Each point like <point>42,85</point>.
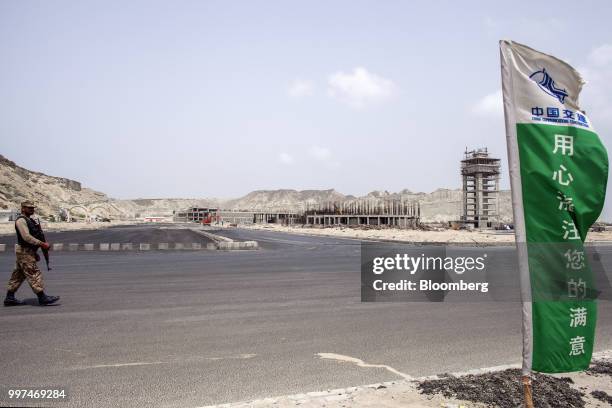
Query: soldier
<point>27,255</point>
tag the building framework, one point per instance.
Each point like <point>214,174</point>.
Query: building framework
<point>391,220</point>
<point>236,217</point>
<point>195,214</point>
<point>214,215</point>
<point>480,174</point>
<point>391,212</point>
<point>397,213</point>
<point>284,218</point>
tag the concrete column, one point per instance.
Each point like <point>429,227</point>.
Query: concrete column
<point>479,198</point>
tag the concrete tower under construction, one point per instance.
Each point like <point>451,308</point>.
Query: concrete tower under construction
<point>480,174</point>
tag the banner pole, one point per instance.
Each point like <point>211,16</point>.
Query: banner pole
<point>520,233</point>
<point>527,391</point>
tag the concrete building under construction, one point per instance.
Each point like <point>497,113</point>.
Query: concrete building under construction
<point>480,174</point>
<point>237,217</point>
<point>389,212</point>
<point>196,214</point>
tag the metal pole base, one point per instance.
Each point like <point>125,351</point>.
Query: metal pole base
<point>526,380</point>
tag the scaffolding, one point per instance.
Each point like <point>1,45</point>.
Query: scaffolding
<point>480,174</point>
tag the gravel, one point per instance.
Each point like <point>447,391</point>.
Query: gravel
<point>602,396</point>
<point>600,368</point>
<point>504,389</point>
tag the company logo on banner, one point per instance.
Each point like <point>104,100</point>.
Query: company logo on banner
<point>547,84</point>
<point>555,114</point>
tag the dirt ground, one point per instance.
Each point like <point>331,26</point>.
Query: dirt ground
<point>407,235</point>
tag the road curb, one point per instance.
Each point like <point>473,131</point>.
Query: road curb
<point>229,246</point>
<point>125,247</point>
<point>213,237</point>
<point>146,246</point>
<point>224,243</point>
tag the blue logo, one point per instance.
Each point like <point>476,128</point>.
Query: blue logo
<point>547,84</point>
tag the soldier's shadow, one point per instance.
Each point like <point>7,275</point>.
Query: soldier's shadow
<point>34,302</point>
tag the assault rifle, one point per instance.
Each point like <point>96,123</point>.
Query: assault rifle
<point>40,235</point>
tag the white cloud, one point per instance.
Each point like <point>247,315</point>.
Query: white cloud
<point>601,55</point>
<point>320,153</point>
<point>490,105</point>
<point>301,88</point>
<point>286,158</point>
<point>360,88</point>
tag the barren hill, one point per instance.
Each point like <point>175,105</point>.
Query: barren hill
<point>18,184</point>
<point>52,193</point>
<point>283,200</point>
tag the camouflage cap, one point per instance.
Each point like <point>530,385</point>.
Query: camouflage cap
<point>28,204</point>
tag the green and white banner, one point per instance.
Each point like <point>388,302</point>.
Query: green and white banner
<point>558,173</point>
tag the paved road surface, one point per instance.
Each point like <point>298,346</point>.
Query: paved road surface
<point>122,234</point>
<point>170,329</point>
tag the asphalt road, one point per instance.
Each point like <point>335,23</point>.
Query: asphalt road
<point>134,234</point>
<point>170,329</point>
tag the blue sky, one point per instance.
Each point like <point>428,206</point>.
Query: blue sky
<point>215,99</point>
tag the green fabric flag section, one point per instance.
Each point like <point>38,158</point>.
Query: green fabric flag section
<point>564,171</point>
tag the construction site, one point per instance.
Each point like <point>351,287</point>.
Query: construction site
<point>478,207</point>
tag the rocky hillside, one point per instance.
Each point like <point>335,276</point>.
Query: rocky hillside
<point>283,200</point>
<point>49,193</point>
<point>53,193</point>
<point>142,207</point>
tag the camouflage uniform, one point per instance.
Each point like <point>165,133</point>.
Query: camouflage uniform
<point>30,237</point>
<point>26,268</point>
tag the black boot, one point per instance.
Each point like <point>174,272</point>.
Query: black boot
<point>45,300</point>
<point>10,300</point>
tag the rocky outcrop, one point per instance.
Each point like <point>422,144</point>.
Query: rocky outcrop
<point>283,200</point>
<point>50,193</point>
